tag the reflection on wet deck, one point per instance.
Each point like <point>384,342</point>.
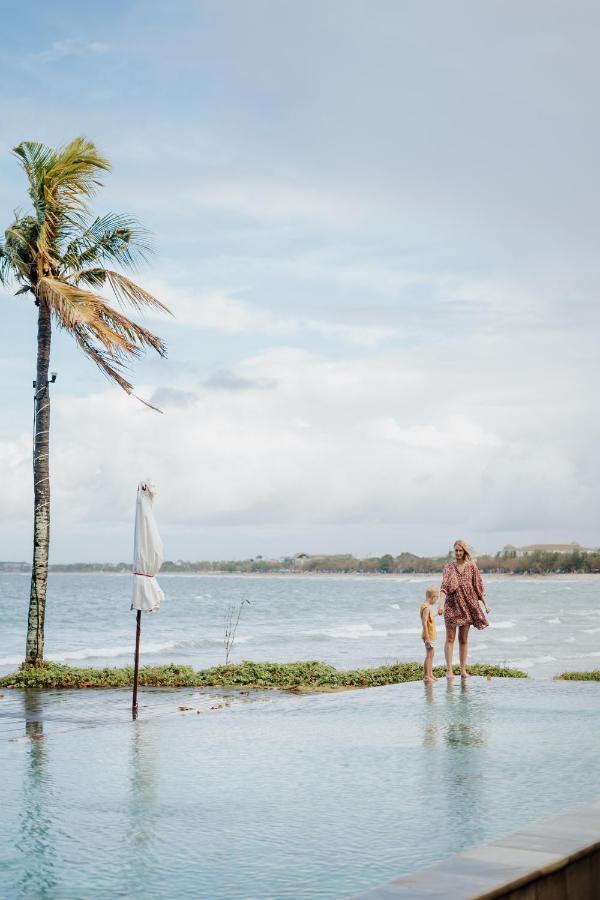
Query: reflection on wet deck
<point>239,796</point>
<point>31,714</point>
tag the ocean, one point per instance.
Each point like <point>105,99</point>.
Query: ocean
<point>543,625</point>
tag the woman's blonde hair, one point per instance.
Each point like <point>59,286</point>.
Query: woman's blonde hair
<point>463,544</point>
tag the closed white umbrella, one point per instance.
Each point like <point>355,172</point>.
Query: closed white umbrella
<point>147,552</point>
<point>147,560</point>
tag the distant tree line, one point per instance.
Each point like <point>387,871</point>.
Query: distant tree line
<point>538,563</point>
<point>541,563</point>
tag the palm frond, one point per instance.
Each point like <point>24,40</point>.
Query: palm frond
<point>69,173</point>
<point>111,341</point>
<point>75,308</point>
<point>128,292</point>
<point>93,277</point>
<point>111,237</point>
<point>70,305</point>
<point>36,160</point>
<point>106,362</point>
<point>22,235</point>
<point>6,269</point>
<point>61,181</point>
<point>19,249</point>
<point>59,254</point>
<point>137,337</point>
<point>106,336</point>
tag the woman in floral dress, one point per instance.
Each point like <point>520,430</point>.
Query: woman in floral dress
<point>460,595</point>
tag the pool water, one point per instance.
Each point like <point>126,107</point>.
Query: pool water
<point>277,796</point>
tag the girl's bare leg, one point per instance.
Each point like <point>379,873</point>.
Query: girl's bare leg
<point>463,649</point>
<point>449,650</point>
<point>428,666</point>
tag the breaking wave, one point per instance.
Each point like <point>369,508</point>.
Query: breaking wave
<point>358,632</point>
<point>121,651</point>
<point>519,639</point>
<point>11,660</point>
<point>537,660</point>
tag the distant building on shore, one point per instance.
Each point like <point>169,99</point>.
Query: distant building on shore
<point>530,549</point>
<point>299,560</point>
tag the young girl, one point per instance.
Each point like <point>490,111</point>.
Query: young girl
<point>429,633</point>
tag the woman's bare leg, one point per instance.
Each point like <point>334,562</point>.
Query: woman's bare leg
<point>463,648</point>
<point>449,649</point>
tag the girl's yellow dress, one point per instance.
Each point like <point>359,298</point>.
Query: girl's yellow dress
<point>430,627</point>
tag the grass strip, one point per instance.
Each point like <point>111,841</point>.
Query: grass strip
<point>295,676</point>
<point>594,675</point>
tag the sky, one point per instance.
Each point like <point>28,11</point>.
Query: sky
<point>376,224</point>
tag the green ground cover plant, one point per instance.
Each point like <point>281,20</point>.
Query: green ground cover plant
<point>295,676</point>
<point>594,675</point>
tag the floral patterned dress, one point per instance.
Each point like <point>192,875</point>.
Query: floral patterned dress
<point>463,592</point>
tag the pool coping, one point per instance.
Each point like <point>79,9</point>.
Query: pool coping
<point>510,863</point>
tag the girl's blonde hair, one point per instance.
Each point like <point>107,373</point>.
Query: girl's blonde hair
<point>463,544</point>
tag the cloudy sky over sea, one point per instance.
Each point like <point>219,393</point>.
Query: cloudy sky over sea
<point>377,226</point>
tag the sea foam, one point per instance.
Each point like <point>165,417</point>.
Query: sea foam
<point>518,639</point>
<point>360,631</point>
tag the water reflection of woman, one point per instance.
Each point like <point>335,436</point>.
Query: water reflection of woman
<point>461,594</point>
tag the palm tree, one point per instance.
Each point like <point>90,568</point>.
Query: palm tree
<point>61,255</point>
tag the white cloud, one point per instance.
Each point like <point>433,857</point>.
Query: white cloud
<point>218,311</point>
<point>457,431</point>
<point>269,200</point>
<point>445,234</point>
<point>17,479</point>
<point>67,47</point>
<point>311,441</point>
<point>273,200</point>
<point>225,312</point>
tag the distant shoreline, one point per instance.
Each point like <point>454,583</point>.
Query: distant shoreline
<point>507,564</point>
<point>398,576</point>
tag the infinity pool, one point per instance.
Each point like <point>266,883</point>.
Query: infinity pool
<point>275,796</point>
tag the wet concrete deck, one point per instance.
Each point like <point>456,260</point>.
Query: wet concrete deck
<point>555,859</point>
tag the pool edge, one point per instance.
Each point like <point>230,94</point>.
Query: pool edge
<point>553,857</point>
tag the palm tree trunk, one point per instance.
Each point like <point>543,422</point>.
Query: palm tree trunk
<point>34,652</point>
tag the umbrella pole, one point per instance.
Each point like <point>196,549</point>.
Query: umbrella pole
<point>138,628</point>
